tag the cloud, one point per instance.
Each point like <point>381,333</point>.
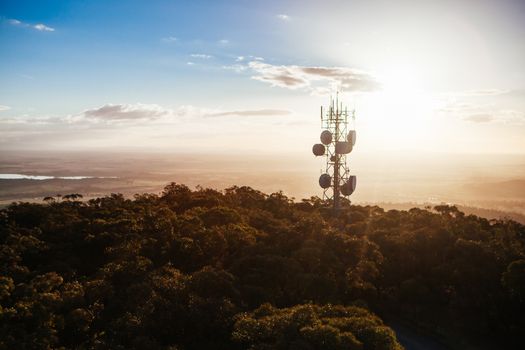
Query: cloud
<point>479,93</point>
<point>120,112</point>
<point>152,112</point>
<point>43,28</point>
<point>479,118</point>
<point>517,92</point>
<point>312,78</point>
<point>250,113</point>
<point>224,41</point>
<point>283,17</point>
<point>511,117</point>
<point>32,121</point>
<point>483,113</point>
<point>39,26</point>
<point>246,57</point>
<point>238,68</point>
<point>139,116</point>
<point>462,108</point>
<point>4,108</point>
<point>201,55</point>
<point>137,123</point>
<point>282,76</point>
<point>169,39</point>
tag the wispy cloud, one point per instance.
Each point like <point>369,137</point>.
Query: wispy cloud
<point>39,26</point>
<point>4,108</point>
<point>483,113</point>
<point>314,78</point>
<point>201,55</point>
<point>224,42</point>
<point>150,112</point>
<point>479,118</point>
<point>169,39</point>
<point>137,115</point>
<point>250,113</point>
<point>237,68</point>
<point>509,117</point>
<point>283,17</point>
<point>517,93</point>
<point>43,28</point>
<point>136,111</point>
<point>244,58</point>
<point>460,107</point>
<point>132,125</point>
<point>479,93</point>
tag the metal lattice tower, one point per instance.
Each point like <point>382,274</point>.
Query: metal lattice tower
<point>337,140</point>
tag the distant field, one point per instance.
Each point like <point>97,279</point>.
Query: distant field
<point>393,182</point>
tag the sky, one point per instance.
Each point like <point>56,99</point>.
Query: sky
<point>249,76</point>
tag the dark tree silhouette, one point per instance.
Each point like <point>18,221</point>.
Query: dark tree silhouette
<point>239,269</point>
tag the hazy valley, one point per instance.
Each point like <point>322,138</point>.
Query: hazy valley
<point>489,186</point>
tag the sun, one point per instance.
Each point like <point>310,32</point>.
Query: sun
<point>400,111</point>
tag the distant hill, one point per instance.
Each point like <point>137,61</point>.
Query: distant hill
<point>487,213</point>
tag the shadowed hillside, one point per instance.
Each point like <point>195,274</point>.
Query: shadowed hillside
<point>240,269</point>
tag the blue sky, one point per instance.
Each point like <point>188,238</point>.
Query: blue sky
<point>76,72</point>
<point>120,49</point>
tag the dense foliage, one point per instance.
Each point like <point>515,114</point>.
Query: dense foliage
<point>313,327</point>
<point>240,269</point>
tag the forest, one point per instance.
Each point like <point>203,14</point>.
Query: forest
<point>241,269</point>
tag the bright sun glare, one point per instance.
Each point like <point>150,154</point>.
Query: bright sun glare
<point>401,107</point>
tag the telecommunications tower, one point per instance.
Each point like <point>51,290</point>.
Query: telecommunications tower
<point>337,140</point>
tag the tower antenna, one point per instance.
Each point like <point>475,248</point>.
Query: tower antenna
<point>336,142</point>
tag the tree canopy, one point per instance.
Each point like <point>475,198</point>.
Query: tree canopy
<point>240,269</point>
